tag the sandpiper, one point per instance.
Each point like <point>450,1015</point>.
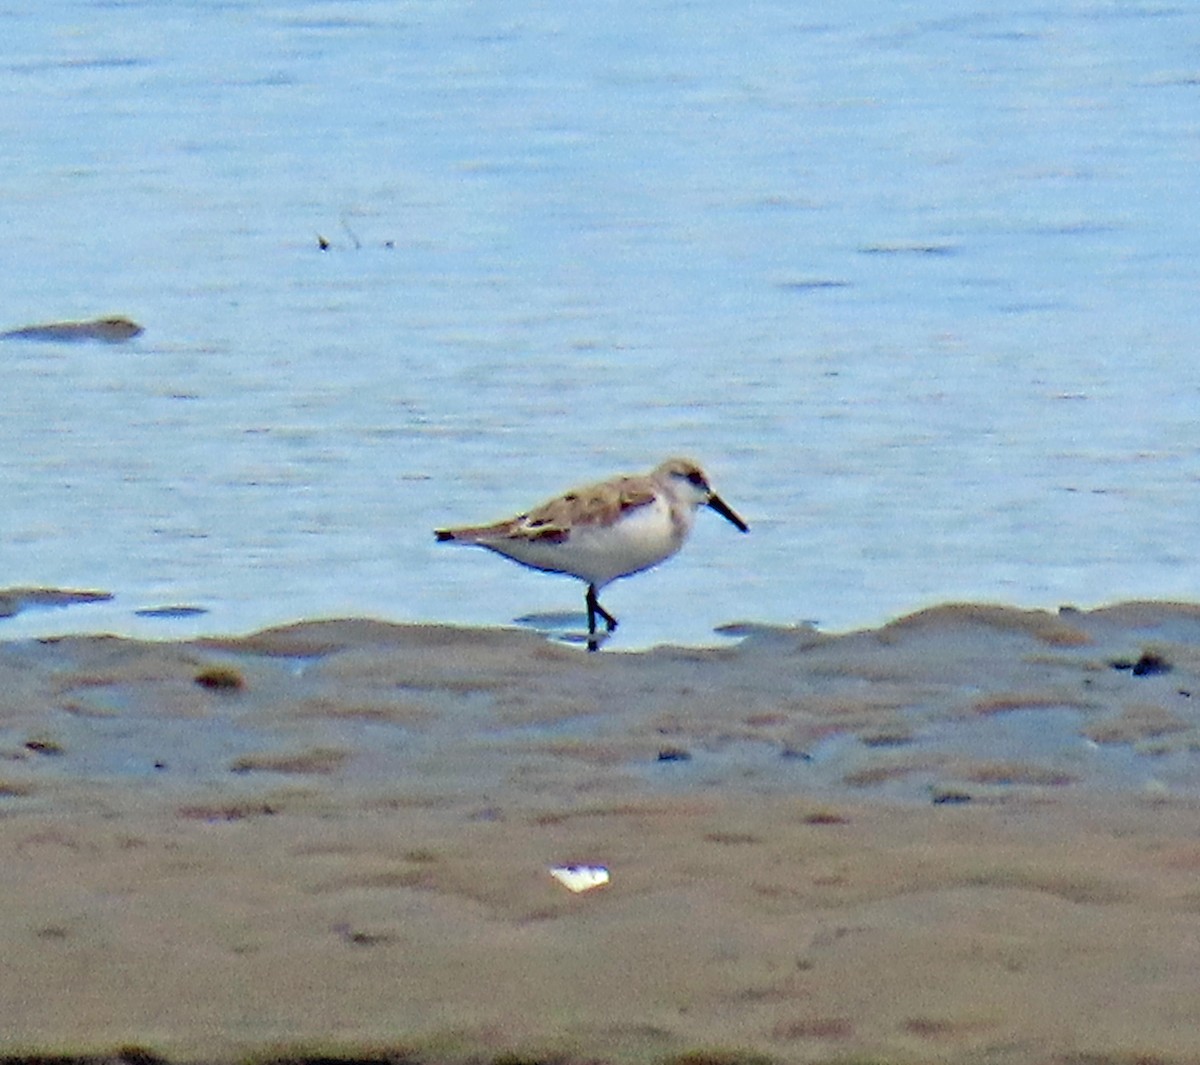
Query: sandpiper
<point>605,531</point>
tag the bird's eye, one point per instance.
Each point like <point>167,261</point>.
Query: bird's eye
<point>697,478</point>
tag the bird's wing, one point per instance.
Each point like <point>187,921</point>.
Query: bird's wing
<point>552,521</point>
<point>599,504</point>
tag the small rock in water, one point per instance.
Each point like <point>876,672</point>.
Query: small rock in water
<point>220,678</point>
<point>14,600</point>
<point>113,330</point>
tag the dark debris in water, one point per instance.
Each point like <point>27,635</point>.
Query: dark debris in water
<point>170,612</point>
<point>908,249</point>
<point>674,754</point>
<point>813,284</point>
<point>1149,664</point>
<point>44,746</point>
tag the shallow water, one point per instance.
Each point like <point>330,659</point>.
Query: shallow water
<point>916,283</point>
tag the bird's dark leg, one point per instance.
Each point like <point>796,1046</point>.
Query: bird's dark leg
<point>594,608</point>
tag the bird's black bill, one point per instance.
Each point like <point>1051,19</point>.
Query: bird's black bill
<point>720,506</point>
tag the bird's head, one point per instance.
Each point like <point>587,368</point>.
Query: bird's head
<point>689,482</point>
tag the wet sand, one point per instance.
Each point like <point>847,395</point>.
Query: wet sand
<point>968,836</point>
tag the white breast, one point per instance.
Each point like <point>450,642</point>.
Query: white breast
<point>640,538</point>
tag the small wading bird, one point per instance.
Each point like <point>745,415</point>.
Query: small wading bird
<point>607,530</point>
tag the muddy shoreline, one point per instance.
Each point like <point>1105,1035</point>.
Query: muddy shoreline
<point>969,835</point>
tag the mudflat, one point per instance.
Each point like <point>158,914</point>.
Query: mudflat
<point>971,835</point>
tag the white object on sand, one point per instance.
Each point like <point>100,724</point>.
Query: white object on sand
<point>580,877</point>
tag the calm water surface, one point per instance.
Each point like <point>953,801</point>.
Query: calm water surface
<point>918,282</point>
